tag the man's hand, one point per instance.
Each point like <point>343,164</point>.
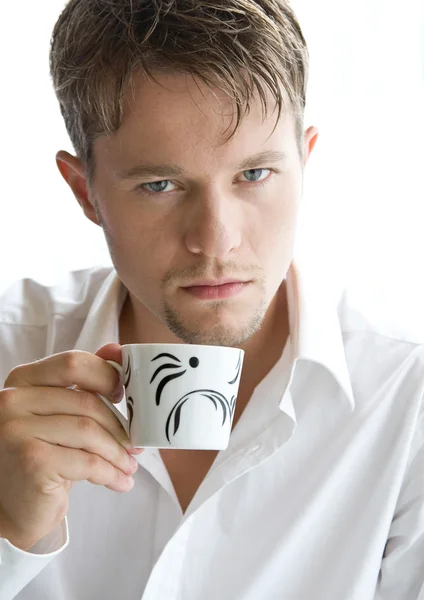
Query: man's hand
<point>52,436</point>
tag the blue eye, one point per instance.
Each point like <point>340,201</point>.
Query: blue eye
<point>158,186</point>
<point>155,188</point>
<point>254,174</point>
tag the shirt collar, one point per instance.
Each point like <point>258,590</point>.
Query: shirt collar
<point>315,333</point>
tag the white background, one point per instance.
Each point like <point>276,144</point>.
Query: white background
<point>363,212</point>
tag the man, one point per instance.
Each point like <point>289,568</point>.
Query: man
<point>187,120</point>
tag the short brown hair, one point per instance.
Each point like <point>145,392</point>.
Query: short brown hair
<point>98,45</point>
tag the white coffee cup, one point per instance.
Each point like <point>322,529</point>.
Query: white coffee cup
<point>179,395</point>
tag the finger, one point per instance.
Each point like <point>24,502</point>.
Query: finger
<point>113,352</point>
<point>110,352</point>
<point>82,433</point>
<point>49,401</point>
<point>83,369</point>
<point>78,465</point>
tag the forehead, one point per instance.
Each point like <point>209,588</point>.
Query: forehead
<point>177,114</point>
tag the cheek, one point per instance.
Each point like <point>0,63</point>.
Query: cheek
<point>127,227</point>
<point>276,233</point>
<point>142,248</point>
<point>278,222</point>
<point>136,256</point>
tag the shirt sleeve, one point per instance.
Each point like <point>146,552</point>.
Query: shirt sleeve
<point>402,570</point>
<point>18,568</point>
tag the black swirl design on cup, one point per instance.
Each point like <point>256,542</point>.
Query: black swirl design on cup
<point>238,369</point>
<point>174,365</point>
<point>130,401</point>
<point>215,397</point>
<point>218,399</point>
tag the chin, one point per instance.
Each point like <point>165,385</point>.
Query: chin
<point>215,337</point>
<point>209,332</point>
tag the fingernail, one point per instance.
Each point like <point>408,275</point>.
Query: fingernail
<point>118,394</point>
<point>136,450</point>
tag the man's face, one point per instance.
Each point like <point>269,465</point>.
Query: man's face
<point>202,214</point>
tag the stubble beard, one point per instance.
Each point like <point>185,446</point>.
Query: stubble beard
<point>217,334</point>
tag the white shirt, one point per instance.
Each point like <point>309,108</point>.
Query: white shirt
<point>319,496</point>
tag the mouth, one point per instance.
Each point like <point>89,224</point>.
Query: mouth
<point>213,282</point>
<point>216,289</point>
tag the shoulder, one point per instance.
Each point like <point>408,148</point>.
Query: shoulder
<point>370,324</point>
<point>384,353</point>
<point>29,303</point>
<point>37,320</point>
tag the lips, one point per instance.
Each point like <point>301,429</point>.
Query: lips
<point>216,292</point>
<point>213,282</point>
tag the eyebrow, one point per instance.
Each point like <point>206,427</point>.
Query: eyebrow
<point>174,170</point>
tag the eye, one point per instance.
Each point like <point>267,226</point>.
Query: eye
<point>156,187</point>
<point>255,175</point>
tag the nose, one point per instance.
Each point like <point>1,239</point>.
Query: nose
<point>213,225</point>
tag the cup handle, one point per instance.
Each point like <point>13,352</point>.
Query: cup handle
<point>124,422</point>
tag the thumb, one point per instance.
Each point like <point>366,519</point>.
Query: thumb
<point>110,352</point>
<point>113,352</point>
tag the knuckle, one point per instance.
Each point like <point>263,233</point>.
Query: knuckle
<point>94,462</point>
<point>14,376</point>
<point>34,455</point>
<point>72,362</point>
<point>8,398</point>
<point>10,429</point>
<point>85,425</point>
<point>86,402</point>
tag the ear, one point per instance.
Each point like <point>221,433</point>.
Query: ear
<point>72,171</point>
<point>311,136</point>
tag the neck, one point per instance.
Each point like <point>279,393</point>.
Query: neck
<point>264,349</point>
